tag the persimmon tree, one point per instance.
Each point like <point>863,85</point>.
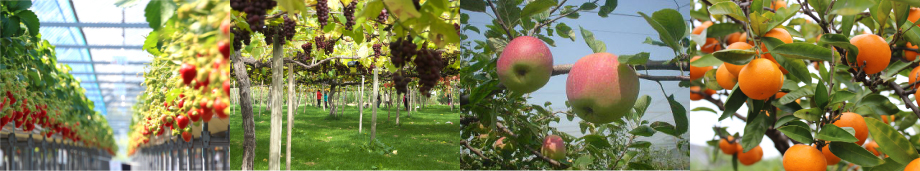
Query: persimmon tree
<point>501,130</point>
<point>860,52</point>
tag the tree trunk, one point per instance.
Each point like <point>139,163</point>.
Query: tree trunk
<point>290,117</point>
<point>361,106</point>
<point>411,102</point>
<point>249,128</point>
<point>261,102</point>
<point>374,114</point>
<point>274,161</point>
<point>397,108</point>
<point>331,100</point>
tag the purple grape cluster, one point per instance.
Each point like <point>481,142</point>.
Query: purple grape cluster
<point>350,14</point>
<point>402,50</point>
<point>428,65</point>
<point>401,84</point>
<point>322,12</point>
<point>285,31</point>
<point>255,11</point>
<point>377,50</point>
<point>382,18</point>
<point>307,49</point>
<point>240,36</point>
<point>325,45</point>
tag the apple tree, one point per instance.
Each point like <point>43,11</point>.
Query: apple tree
<point>501,130</point>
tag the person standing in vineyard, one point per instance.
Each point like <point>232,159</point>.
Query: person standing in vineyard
<point>326,100</point>
<point>319,96</point>
<point>405,102</point>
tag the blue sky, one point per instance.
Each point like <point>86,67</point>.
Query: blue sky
<point>623,32</point>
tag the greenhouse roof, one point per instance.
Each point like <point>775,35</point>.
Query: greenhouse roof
<point>102,44</point>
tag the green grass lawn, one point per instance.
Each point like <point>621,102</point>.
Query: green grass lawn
<point>423,141</point>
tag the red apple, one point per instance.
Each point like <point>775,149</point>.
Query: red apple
<point>553,147</point>
<point>525,65</point>
<point>600,89</point>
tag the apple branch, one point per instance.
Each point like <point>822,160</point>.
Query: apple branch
<point>474,150</point>
<point>500,21</point>
<point>556,164</point>
<point>534,30</point>
<point>565,68</point>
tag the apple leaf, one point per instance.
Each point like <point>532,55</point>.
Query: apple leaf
<point>596,45</point>
<point>638,59</point>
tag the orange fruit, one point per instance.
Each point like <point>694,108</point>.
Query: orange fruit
<point>913,165</point>
<point>729,148</point>
<point>780,94</point>
<point>831,158</point>
<point>872,146</point>
<point>726,79</point>
<point>736,37</point>
<point>710,46</point>
<point>778,4</point>
<point>850,119</point>
<point>760,79</point>
<point>913,77</point>
<point>816,64</point>
<point>887,118</point>
<point>752,156</point>
<point>917,94</point>
<point>709,92</point>
<point>695,96</point>
<point>914,15</point>
<point>699,29</point>
<point>909,54</point>
<point>874,52</point>
<point>801,157</point>
<point>697,72</point>
<point>782,35</point>
<point>732,68</point>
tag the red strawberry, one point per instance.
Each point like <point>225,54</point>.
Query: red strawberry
<point>219,107</point>
<point>194,115</point>
<point>166,105</point>
<point>187,136</point>
<point>227,87</point>
<point>182,121</point>
<point>10,95</point>
<point>188,73</point>
<point>4,120</point>
<point>160,131</point>
<point>206,115</point>
<point>224,48</point>
<point>180,104</point>
<point>225,26</point>
<point>19,123</point>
